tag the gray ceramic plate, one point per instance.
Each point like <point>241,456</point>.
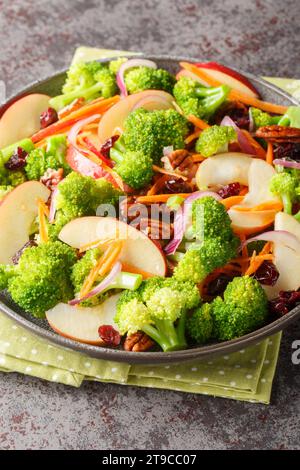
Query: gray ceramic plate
<point>52,86</point>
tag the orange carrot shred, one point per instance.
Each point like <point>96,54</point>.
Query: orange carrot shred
<point>43,211</point>
<point>157,185</point>
<point>266,206</point>
<point>231,201</point>
<point>192,136</point>
<point>270,153</point>
<point>260,151</point>
<point>133,269</point>
<point>199,123</point>
<point>157,198</point>
<point>158,169</point>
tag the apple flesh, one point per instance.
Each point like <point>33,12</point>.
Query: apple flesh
<point>229,77</point>
<point>138,250</point>
<point>18,211</point>
<point>113,119</point>
<point>286,259</point>
<point>22,118</point>
<point>251,222</point>
<point>82,323</point>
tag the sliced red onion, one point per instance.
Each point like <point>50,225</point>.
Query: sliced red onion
<point>74,131</point>
<point>128,65</point>
<point>52,210</point>
<point>181,217</point>
<point>166,104</point>
<point>287,163</point>
<point>242,139</point>
<point>100,287</point>
<point>251,121</point>
<point>277,236</point>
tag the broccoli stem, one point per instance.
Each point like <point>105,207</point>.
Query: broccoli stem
<point>287,203</point>
<point>126,280</point>
<point>283,121</point>
<point>116,155</point>
<point>60,101</point>
<point>157,336</point>
<point>181,330</point>
<point>297,216</point>
<point>169,337</point>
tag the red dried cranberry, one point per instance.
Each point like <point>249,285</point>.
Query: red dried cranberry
<point>18,254</point>
<point>287,150</point>
<point>218,285</point>
<point>48,117</point>
<point>231,189</point>
<point>176,185</point>
<point>108,144</point>
<point>17,160</point>
<point>267,274</point>
<point>109,335</point>
<point>285,302</point>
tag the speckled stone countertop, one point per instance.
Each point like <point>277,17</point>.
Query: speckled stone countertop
<point>38,38</point>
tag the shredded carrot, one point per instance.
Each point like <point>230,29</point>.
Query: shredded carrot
<point>41,145</point>
<point>43,211</point>
<point>231,201</point>
<point>193,136</point>
<point>243,191</point>
<point>198,158</point>
<point>76,104</point>
<point>234,94</point>
<point>95,244</point>
<point>159,198</point>
<point>266,257</point>
<point>270,153</point>
<point>257,260</point>
<point>133,269</point>
<point>158,169</point>
<point>260,151</point>
<point>199,123</point>
<point>266,206</point>
<point>157,185</point>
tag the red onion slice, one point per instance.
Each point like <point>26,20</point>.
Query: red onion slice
<point>162,100</point>
<point>74,131</point>
<point>287,163</point>
<point>242,139</point>
<point>100,287</point>
<point>52,210</point>
<point>128,65</point>
<point>181,217</point>
<point>251,121</point>
<point>277,236</point>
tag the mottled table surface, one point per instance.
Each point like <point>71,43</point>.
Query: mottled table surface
<point>38,38</point>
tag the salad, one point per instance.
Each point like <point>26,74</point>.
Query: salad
<point>148,211</point>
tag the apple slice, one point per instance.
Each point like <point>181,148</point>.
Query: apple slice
<point>82,323</point>
<point>229,77</point>
<point>223,169</point>
<point>114,118</point>
<point>251,221</point>
<point>22,118</point>
<point>138,250</point>
<point>17,213</point>
<point>286,259</point>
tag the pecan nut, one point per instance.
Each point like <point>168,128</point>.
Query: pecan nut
<point>279,134</point>
<point>138,342</point>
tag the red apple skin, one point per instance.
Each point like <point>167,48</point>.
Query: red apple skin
<point>100,342</point>
<point>230,72</point>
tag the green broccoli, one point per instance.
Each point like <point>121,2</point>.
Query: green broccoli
<point>262,119</point>
<point>161,314</point>
<point>215,139</point>
<point>115,64</point>
<point>151,131</point>
<point>87,80</point>
<point>54,157</point>
<point>134,167</point>
<point>194,98</point>
<point>285,186</point>
<point>244,308</point>
<point>291,118</point>
<point>210,219</point>
<point>42,277</point>
<point>6,153</point>
<point>80,196</point>
<point>200,324</point>
<point>6,273</point>
<point>145,78</point>
<point>15,178</point>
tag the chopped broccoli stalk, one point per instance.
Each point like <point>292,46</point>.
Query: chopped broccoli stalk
<point>6,273</point>
<point>244,308</point>
<point>115,65</point>
<point>145,78</point>
<point>215,139</point>
<point>174,202</point>
<point>200,324</point>
<point>126,280</point>
<point>262,119</point>
<point>85,80</point>
<point>285,186</point>
<point>158,309</point>
<point>135,168</point>
<point>42,277</point>
<point>291,118</point>
<point>194,98</point>
<point>151,131</point>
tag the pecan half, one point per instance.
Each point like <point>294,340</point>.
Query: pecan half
<point>279,134</point>
<point>51,178</point>
<point>180,161</point>
<point>138,342</point>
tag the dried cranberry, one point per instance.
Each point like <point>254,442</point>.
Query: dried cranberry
<point>218,285</point>
<point>287,150</point>
<point>17,160</point>
<point>109,335</point>
<point>237,111</point>
<point>267,274</point>
<point>48,117</point>
<point>108,144</point>
<point>231,189</point>
<point>286,301</point>
<point>18,254</point>
<point>176,185</point>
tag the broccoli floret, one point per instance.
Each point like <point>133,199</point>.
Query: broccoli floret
<point>7,152</point>
<point>244,308</point>
<point>146,78</point>
<point>200,324</point>
<point>80,196</point>
<point>215,139</point>
<point>43,277</point>
<point>151,131</point>
<point>210,219</point>
<point>201,101</point>
<point>159,309</point>
<point>83,267</point>
<point>261,119</point>
<point>134,167</point>
<point>115,65</point>
<point>15,178</point>
<point>85,80</point>
<point>285,186</point>
<point>4,190</point>
<point>6,273</point>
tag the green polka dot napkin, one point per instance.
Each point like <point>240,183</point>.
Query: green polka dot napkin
<point>244,375</point>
